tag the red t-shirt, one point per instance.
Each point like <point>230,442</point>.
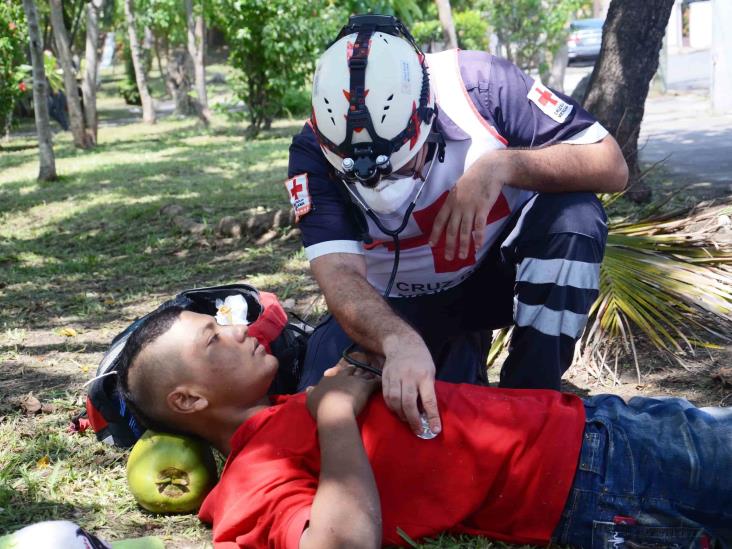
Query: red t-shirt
<point>502,467</point>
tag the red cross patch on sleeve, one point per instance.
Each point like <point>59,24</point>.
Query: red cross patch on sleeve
<point>548,102</point>
<point>299,194</point>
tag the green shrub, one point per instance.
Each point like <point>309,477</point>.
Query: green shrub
<point>274,45</point>
<point>470,26</point>
<point>296,102</point>
<point>426,32</point>
<point>472,30</point>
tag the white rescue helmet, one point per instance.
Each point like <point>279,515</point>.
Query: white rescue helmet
<point>372,103</point>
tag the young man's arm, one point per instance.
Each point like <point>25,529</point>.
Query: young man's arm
<point>346,512</point>
<point>409,371</point>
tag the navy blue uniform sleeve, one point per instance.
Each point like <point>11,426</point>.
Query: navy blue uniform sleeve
<point>520,120</point>
<point>329,226</point>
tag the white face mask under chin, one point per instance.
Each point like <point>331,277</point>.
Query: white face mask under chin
<point>389,195</point>
<point>393,192</point>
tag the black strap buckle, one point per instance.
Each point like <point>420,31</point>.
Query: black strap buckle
<point>358,63</point>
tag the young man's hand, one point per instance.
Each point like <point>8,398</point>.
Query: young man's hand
<point>344,388</point>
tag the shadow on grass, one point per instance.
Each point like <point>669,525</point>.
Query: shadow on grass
<point>67,346</point>
<point>16,148</point>
<point>20,511</point>
<point>17,380</point>
<point>241,177</point>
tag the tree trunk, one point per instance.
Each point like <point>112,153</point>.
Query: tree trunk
<point>89,87</point>
<point>179,81</point>
<point>76,20</point>
<point>163,77</point>
<point>47,170</point>
<point>616,95</point>
<point>148,40</point>
<point>197,49</point>
<point>148,111</point>
<point>76,118</point>
<point>448,27</point>
<point>558,69</point>
<point>180,76</point>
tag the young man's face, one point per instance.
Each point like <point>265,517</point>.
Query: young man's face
<point>225,364</point>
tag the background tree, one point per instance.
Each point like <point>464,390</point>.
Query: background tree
<point>531,32</point>
<point>471,28</point>
<point>631,41</point>
<point>408,11</point>
<point>197,50</point>
<point>76,117</point>
<point>166,22</point>
<point>89,86</point>
<point>13,41</point>
<point>444,12</point>
<point>148,109</point>
<point>47,168</point>
<point>274,45</point>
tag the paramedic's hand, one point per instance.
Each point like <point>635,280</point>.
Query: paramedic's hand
<point>343,387</point>
<point>408,378</point>
<point>463,215</point>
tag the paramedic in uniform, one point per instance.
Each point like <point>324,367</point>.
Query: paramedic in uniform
<point>493,176</point>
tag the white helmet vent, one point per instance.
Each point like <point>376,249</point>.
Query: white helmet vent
<point>330,111</point>
<point>386,108</point>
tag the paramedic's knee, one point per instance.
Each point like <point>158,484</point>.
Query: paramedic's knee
<point>561,225</point>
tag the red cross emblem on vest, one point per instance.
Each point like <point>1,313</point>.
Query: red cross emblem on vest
<point>545,96</point>
<point>296,188</point>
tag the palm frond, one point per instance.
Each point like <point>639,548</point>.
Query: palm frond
<point>668,277</point>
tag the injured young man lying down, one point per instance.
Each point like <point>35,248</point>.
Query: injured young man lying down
<point>333,467</point>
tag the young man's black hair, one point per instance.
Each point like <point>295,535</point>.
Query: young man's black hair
<point>139,400</point>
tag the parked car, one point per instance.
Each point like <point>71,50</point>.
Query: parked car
<point>585,39</point>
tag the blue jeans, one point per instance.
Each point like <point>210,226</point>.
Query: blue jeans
<point>655,472</point>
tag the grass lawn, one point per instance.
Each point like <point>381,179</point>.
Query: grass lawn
<point>82,257</point>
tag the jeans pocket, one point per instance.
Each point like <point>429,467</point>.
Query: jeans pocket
<point>609,535</point>
<point>591,457</point>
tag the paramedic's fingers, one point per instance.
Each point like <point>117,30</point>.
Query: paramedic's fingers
<point>476,196</point>
<point>429,404</point>
<point>411,409</point>
<point>452,231</point>
<point>391,387</point>
<point>441,219</point>
<point>448,221</point>
<point>479,223</point>
<point>409,373</point>
<point>466,233</point>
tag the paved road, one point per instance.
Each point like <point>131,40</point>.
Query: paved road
<point>679,129</point>
<point>695,143</point>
